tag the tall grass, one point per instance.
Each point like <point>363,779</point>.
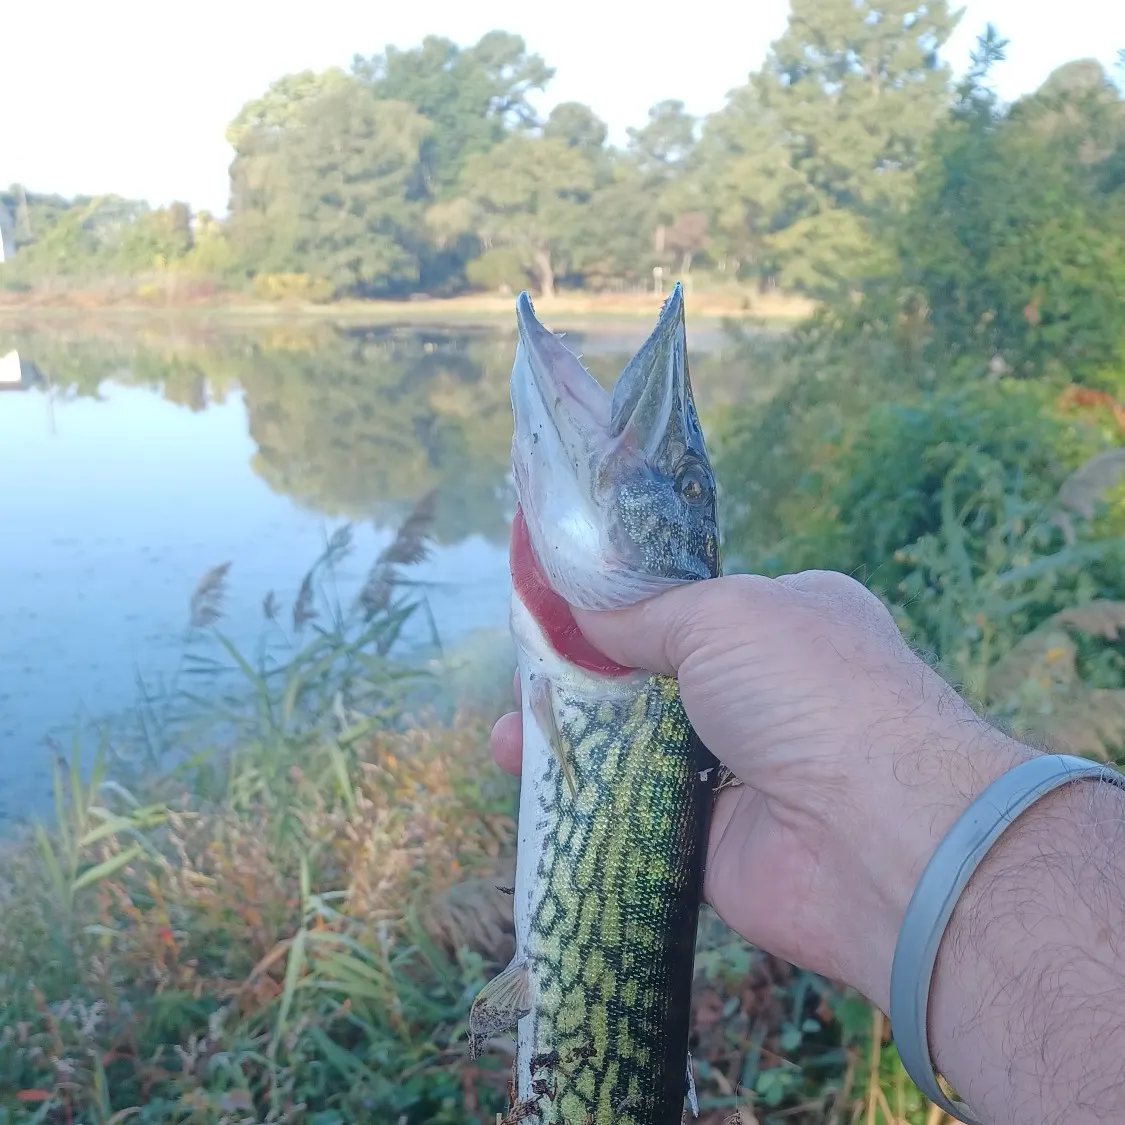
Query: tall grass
<point>282,910</point>
<point>257,931</point>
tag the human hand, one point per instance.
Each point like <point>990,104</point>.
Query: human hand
<point>855,757</point>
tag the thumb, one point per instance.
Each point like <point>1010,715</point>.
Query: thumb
<point>660,633</point>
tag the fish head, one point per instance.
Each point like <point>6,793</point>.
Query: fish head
<point>615,487</point>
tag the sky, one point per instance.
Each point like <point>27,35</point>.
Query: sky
<point>133,97</point>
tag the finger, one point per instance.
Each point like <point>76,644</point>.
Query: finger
<point>819,581</point>
<point>830,584</point>
<point>853,598</point>
<point>506,742</point>
<point>660,633</point>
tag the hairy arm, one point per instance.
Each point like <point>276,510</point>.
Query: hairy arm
<point>1027,1015</point>
<point>856,758</point>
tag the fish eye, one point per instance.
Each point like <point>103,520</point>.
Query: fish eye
<point>693,484</point>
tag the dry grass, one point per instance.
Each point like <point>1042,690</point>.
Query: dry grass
<point>226,944</point>
<point>571,310</point>
<point>285,949</point>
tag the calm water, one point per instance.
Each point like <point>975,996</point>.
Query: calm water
<point>130,464</point>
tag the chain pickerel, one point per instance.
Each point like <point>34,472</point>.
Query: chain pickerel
<point>616,502</point>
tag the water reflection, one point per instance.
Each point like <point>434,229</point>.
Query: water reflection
<point>373,420</point>
<point>355,423</point>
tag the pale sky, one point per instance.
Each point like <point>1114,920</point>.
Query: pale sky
<point>133,96</point>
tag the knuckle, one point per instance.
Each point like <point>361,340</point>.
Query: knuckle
<point>743,590</point>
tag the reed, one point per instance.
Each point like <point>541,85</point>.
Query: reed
<point>288,918</point>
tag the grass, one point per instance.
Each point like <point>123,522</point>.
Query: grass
<point>286,915</point>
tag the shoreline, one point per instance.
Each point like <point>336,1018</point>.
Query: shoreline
<point>572,310</point>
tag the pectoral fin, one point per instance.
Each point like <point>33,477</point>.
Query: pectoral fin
<point>543,708</point>
<point>502,1002</point>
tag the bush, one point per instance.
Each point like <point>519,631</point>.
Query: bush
<point>291,287</point>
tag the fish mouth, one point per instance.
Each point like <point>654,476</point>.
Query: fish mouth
<point>550,611</point>
<point>574,442</point>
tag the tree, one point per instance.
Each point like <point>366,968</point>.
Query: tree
<point>752,189</point>
<point>1016,241</point>
<point>852,91</point>
<point>79,238</point>
<point>663,145</point>
<point>662,151</point>
<point>528,195</point>
<point>156,238</point>
<point>612,241</point>
<point>578,126</point>
<point>472,95</point>
<point>332,185</point>
<point>356,167</point>
<point>260,217</point>
<point>687,236</point>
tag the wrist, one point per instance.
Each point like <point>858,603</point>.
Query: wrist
<point>937,774</point>
<point>1026,997</point>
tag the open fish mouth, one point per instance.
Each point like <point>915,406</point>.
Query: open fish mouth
<point>615,488</point>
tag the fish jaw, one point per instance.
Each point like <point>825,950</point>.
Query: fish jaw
<point>616,488</point>
<point>552,614</point>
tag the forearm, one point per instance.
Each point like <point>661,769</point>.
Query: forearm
<point>1027,1016</point>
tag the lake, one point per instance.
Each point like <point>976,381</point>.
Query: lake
<point>133,461</point>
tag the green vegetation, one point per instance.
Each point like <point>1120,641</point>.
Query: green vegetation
<point>429,171</point>
<point>240,933</point>
<point>948,432</point>
<point>289,920</point>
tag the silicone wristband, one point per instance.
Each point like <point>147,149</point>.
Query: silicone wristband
<point>950,868</point>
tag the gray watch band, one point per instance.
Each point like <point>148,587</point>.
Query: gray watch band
<point>950,868</point>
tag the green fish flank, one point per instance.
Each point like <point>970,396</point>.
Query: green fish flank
<point>612,934</point>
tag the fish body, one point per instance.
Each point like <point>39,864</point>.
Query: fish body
<point>616,502</point>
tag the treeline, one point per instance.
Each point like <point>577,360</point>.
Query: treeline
<point>429,171</point>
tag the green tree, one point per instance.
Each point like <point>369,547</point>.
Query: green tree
<point>332,186</point>
<point>156,238</point>
<point>34,214</point>
<point>77,239</point>
<point>832,134</point>
<point>663,152</point>
<point>611,243</point>
<point>261,205</point>
<point>1015,243</point>
<point>753,191</point>
<point>578,126</point>
<point>664,144</point>
<point>472,95</point>
<point>211,255</point>
<point>527,197</point>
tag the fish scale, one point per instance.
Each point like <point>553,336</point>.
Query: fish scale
<point>612,933</point>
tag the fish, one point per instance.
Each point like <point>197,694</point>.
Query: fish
<point>615,503</point>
